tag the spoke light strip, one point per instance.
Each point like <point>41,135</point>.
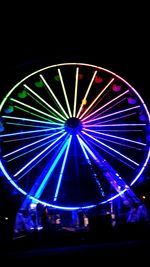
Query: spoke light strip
<point>62,168</point>
<point>89,162</point>
<point>43,101</point>
<point>114,105</point>
<point>41,104</point>
<point>37,162</point>
<point>116,125</point>
<point>25,119</point>
<point>29,151</point>
<point>115,178</point>
<point>26,125</point>
<point>75,92</point>
<point>54,96</point>
<point>119,143</point>
<point>26,132</point>
<point>110,153</point>
<point>82,143</point>
<point>26,138</point>
<point>110,130</point>
<point>108,103</point>
<point>36,142</point>
<point>37,156</point>
<point>37,110</point>
<point>120,117</point>
<point>86,94</point>
<point>93,102</point>
<point>114,113</point>
<point>47,177</point>
<point>114,136</point>
<point>64,91</point>
<point>31,113</point>
<point>111,149</point>
<point>39,179</point>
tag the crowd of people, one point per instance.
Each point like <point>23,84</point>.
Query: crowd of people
<point>37,218</point>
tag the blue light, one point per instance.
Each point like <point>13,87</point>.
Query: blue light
<point>37,156</point>
<point>44,182</point>
<point>62,168</point>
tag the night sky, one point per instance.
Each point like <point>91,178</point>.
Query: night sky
<point>111,37</point>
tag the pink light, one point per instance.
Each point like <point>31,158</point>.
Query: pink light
<point>116,88</point>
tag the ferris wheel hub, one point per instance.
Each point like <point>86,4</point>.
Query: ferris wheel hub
<point>73,125</point>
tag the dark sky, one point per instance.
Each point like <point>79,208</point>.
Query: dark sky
<point>114,37</point>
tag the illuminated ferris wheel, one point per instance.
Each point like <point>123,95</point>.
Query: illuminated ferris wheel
<point>73,135</point>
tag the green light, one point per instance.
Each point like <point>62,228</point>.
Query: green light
<point>22,94</point>
<point>39,84</point>
<point>56,78</point>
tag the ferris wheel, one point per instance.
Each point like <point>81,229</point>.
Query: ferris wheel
<point>73,135</point>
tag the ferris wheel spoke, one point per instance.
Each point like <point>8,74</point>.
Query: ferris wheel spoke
<point>86,94</point>
<point>31,120</point>
<point>116,125</point>
<point>37,156</point>
<point>75,92</point>
<point>31,113</point>
<point>129,115</point>
<point>42,105</point>
<point>97,97</point>
<point>23,122</point>
<point>58,148</point>
<point>23,176</point>
<point>115,137</point>
<point>25,125</point>
<point>112,114</point>
<point>62,168</point>
<point>30,151</point>
<point>83,146</point>
<point>93,144</point>
<point>25,132</point>
<point>42,101</point>
<point>112,106</point>
<point>32,144</point>
<point>64,91</point>
<point>114,178</point>
<point>105,105</point>
<point>35,109</point>
<point>26,138</point>
<point>46,178</point>
<point>106,110</point>
<point>53,95</point>
<point>109,172</point>
<point>118,143</point>
<point>110,148</point>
